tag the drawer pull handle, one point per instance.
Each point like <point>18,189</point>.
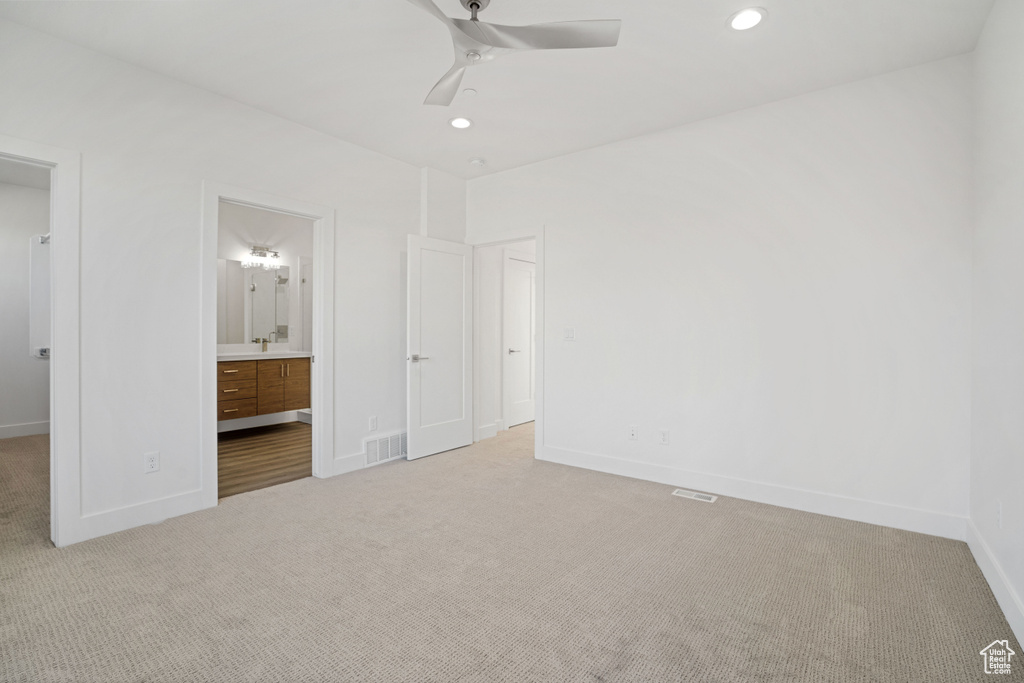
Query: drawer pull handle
<point>228,372</point>
<point>231,410</point>
<point>288,370</point>
<point>282,369</point>
<point>230,391</point>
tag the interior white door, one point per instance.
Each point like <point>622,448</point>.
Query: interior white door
<point>518,335</point>
<point>440,351</point>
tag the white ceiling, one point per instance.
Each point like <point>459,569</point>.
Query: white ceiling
<point>359,69</point>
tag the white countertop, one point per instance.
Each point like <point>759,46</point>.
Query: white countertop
<point>260,355</point>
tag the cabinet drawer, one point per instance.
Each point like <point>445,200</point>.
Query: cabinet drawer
<point>236,369</point>
<point>232,390</point>
<point>229,410</point>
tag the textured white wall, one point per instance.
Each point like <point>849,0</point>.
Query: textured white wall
<point>147,144</point>
<point>997,466</point>
<point>24,380</point>
<point>786,289</point>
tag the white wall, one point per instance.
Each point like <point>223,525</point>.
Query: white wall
<point>443,206</point>
<point>147,144</point>
<point>786,289</point>
<point>25,383</point>
<point>997,468</point>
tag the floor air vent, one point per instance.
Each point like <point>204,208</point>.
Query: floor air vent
<point>385,448</point>
<point>706,497</point>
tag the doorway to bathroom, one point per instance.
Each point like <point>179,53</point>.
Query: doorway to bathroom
<point>268,313</point>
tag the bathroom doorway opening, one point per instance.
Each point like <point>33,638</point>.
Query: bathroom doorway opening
<point>264,348</point>
<point>269,337</point>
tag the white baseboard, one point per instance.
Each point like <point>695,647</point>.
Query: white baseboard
<point>856,509</point>
<point>257,421</point>
<point>485,431</point>
<point>1002,588</point>
<point>349,463</point>
<point>106,522</point>
<point>27,429</point>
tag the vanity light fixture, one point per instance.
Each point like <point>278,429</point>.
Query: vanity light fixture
<point>262,257</point>
<point>747,18</point>
<point>460,122</point>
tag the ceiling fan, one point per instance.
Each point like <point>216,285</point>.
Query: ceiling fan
<point>477,42</point>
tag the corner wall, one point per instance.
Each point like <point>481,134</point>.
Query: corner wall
<point>997,464</point>
<point>785,289</point>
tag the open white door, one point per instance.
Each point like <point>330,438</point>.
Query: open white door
<point>518,334</point>
<point>440,352</point>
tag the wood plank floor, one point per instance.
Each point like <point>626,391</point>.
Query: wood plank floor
<point>250,459</point>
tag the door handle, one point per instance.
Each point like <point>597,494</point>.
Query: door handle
<point>416,358</point>
<point>514,351</point>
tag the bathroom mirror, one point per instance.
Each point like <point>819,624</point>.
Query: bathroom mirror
<point>252,303</point>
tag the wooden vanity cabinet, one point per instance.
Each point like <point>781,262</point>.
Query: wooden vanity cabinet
<point>258,387</point>
<point>283,384</point>
<point>236,389</point>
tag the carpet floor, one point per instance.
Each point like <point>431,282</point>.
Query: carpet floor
<point>483,564</point>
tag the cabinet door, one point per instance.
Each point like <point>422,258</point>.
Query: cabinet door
<point>270,392</point>
<point>296,384</point>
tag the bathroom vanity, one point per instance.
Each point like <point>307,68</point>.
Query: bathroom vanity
<point>258,384</point>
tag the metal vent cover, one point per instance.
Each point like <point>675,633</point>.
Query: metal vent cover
<point>379,449</point>
<point>704,497</point>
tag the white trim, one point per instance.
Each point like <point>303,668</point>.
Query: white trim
<point>344,464</point>
<point>24,429</point>
<point>257,421</point>
<point>485,431</point>
<point>541,332</point>
<point>322,375</point>
<point>998,581</point>
<point>856,509</point>
<point>66,522</point>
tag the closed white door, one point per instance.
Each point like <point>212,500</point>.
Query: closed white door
<point>518,333</point>
<point>440,350</point>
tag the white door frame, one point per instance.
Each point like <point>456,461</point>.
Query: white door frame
<point>506,401</point>
<point>538,311</point>
<point>65,362</point>
<point>322,374</point>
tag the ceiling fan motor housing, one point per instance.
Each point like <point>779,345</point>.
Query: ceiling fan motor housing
<point>480,4</point>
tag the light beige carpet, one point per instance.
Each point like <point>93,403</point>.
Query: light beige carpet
<point>482,564</point>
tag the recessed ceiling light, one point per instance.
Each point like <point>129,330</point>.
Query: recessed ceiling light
<point>468,91</point>
<point>477,161</point>
<point>747,18</point>
<point>460,122</point>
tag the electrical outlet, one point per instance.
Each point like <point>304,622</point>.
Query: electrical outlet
<point>999,513</point>
<point>634,433</point>
<point>151,462</point>
<point>373,423</point>
<point>664,437</point>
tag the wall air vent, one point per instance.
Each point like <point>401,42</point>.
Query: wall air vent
<point>383,448</point>
<point>706,497</point>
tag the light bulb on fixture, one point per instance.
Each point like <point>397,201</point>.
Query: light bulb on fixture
<point>747,18</point>
<point>262,257</point>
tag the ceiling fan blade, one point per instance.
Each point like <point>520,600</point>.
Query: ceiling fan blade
<point>447,88</point>
<point>430,7</point>
<point>550,36</point>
